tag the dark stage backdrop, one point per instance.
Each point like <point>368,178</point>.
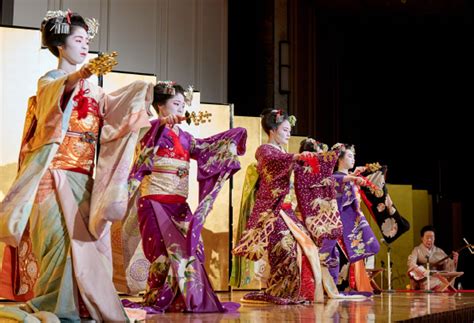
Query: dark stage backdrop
<point>395,79</point>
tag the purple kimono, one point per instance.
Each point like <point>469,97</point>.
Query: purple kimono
<point>170,231</point>
<point>358,239</point>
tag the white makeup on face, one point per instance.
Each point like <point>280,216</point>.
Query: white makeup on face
<point>175,106</point>
<point>75,50</point>
<point>348,160</point>
<point>282,134</point>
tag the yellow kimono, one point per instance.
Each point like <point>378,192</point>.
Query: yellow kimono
<point>54,194</point>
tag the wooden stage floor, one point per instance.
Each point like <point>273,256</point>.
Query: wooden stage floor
<point>393,307</point>
<point>387,307</point>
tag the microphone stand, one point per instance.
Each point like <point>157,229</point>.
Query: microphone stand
<point>428,286</point>
<point>389,268</point>
<point>382,264</point>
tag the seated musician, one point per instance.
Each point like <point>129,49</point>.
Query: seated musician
<point>428,251</point>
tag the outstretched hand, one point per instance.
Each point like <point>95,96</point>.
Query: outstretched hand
<point>355,179</point>
<point>172,119</point>
<point>74,77</point>
<point>359,170</point>
<point>85,72</point>
<point>302,156</point>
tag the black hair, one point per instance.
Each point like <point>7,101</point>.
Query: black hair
<point>161,93</point>
<point>272,118</point>
<point>52,40</point>
<point>342,153</point>
<point>427,228</point>
<point>310,145</point>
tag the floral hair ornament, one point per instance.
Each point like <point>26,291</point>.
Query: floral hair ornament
<point>325,147</point>
<point>316,143</point>
<point>188,95</point>
<point>92,27</point>
<point>279,118</point>
<point>62,23</point>
<point>292,120</point>
<point>338,146</point>
<point>312,141</point>
<point>168,87</point>
<point>342,147</point>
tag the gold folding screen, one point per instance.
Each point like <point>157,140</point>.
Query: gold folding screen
<point>22,62</point>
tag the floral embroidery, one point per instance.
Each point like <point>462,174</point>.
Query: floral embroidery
<point>276,192</point>
<point>185,271</point>
<point>390,227</point>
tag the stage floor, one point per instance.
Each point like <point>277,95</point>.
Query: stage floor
<point>399,306</point>
<point>387,307</point>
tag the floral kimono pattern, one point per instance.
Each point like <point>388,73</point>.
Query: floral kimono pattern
<point>358,239</point>
<point>392,225</point>
<point>316,194</point>
<point>274,231</point>
<point>170,232</point>
<point>55,195</point>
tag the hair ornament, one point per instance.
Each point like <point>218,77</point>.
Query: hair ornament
<point>188,95</point>
<point>62,22</point>
<point>168,87</point>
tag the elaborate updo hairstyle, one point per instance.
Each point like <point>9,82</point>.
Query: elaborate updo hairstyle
<point>165,90</point>
<point>343,148</point>
<point>272,118</point>
<point>312,145</point>
<point>55,31</point>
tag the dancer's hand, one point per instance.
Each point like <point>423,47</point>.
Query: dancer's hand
<point>172,119</point>
<point>359,170</point>
<point>360,181</point>
<point>85,72</point>
<point>303,155</point>
<point>74,77</point>
<point>356,179</point>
